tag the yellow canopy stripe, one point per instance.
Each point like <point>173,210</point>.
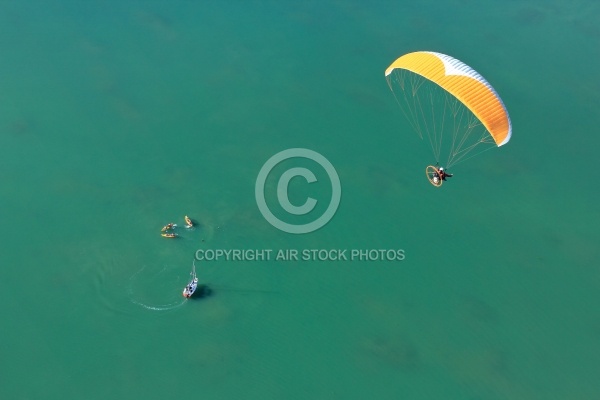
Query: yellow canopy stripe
<point>465,84</point>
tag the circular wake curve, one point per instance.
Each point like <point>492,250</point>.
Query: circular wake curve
<point>157,290</point>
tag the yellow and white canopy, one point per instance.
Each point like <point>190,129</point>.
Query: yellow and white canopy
<point>464,83</point>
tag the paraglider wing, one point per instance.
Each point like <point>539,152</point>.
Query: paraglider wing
<point>464,83</point>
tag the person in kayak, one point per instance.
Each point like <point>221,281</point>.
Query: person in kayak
<point>168,227</point>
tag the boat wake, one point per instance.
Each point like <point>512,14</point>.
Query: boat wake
<point>158,291</point>
<point>165,307</point>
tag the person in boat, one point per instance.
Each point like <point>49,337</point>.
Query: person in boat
<point>443,174</point>
<point>189,290</point>
<point>167,227</point>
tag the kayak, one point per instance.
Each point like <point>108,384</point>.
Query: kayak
<point>168,227</point>
<point>168,235</point>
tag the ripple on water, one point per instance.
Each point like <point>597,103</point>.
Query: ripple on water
<point>125,288</point>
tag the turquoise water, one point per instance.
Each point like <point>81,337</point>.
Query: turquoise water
<point>116,119</point>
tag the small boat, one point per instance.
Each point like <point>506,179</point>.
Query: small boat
<point>191,287</point>
<point>188,221</point>
<point>168,227</point>
<point>168,235</point>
